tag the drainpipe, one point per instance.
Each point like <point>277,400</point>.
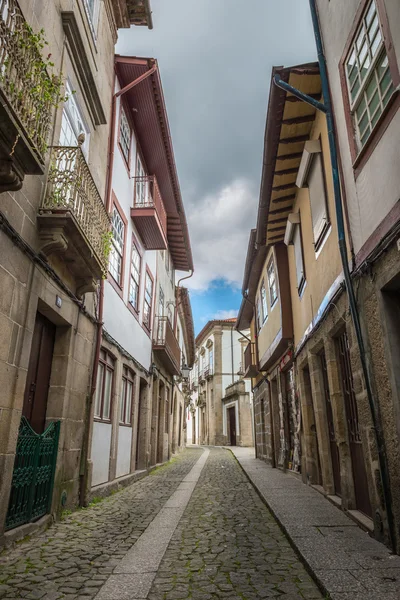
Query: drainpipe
<point>232,362</point>
<point>326,108</point>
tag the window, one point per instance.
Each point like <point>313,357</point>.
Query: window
<point>134,286</point>
<point>73,123</point>
<point>104,386</point>
<point>368,76</point>
<point>211,359</point>
<point>117,249</point>
<point>264,306</point>
<point>298,252</point>
<point>317,190</point>
<point>124,135</point>
<point>92,10</point>
<point>258,313</point>
<point>126,400</point>
<point>160,302</point>
<point>140,191</point>
<point>170,316</point>
<point>148,299</point>
<point>272,282</point>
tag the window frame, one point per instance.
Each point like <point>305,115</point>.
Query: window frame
<point>135,244</point>
<point>259,324</point>
<point>302,283</point>
<point>148,326</point>
<point>271,262</point>
<point>108,362</point>
<point>71,107</point>
<point>94,18</point>
<point>325,228</point>
<point>361,155</point>
<point>129,377</point>
<point>142,185</point>
<point>123,113</point>
<point>264,302</point>
<point>118,285</point>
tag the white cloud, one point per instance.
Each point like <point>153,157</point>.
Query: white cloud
<point>226,314</point>
<point>219,226</point>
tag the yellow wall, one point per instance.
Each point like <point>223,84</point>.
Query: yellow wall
<point>321,267</point>
<point>273,324</point>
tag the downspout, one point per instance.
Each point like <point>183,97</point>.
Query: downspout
<point>176,296</point>
<point>233,379</point>
<point>326,108</point>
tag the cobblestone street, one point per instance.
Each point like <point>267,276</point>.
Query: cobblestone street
<point>226,544</point>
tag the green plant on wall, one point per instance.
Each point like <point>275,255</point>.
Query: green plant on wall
<point>106,239</point>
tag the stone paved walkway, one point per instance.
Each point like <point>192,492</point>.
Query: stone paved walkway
<point>225,544</point>
<point>347,562</point>
<point>75,557</point>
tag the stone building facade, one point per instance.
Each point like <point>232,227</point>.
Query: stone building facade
<point>221,406</point>
<point>311,406</point>
<point>53,231</point>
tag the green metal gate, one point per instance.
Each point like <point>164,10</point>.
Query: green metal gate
<point>33,476</point>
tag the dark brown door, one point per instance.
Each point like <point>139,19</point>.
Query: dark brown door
<point>331,427</point>
<point>232,425</point>
<point>356,450</point>
<point>39,370</point>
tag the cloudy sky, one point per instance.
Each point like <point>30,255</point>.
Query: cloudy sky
<point>215,59</point>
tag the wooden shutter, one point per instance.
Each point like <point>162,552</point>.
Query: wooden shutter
<point>316,185</point>
<point>299,256</point>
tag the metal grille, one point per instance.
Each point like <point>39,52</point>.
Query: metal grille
<point>71,187</point>
<point>348,389</point>
<point>21,77</point>
<point>33,476</point>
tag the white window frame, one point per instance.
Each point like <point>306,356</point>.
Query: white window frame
<point>125,135</point>
<point>141,191</point>
<point>272,283</point>
<point>117,246</point>
<point>368,51</point>
<point>73,119</point>
<point>134,282</point>
<point>264,303</point>
<point>93,14</point>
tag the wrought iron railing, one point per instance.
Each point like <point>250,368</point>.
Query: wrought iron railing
<point>23,80</point>
<point>71,188</point>
<point>147,195</point>
<point>164,337</point>
<point>33,475</point>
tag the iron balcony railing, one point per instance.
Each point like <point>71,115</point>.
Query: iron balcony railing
<point>165,338</point>
<point>70,187</point>
<point>24,81</point>
<point>208,372</point>
<point>147,195</point>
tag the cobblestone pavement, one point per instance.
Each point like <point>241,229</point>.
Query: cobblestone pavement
<point>228,545</point>
<point>73,558</point>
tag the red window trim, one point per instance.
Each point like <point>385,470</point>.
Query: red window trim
<point>145,327</point>
<point>119,287</point>
<point>361,157</point>
<point>106,365</point>
<point>126,161</point>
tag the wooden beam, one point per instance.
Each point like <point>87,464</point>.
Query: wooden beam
<point>296,139</point>
<point>280,211</point>
<point>283,220</point>
<point>286,186</point>
<point>299,120</point>
<point>287,171</point>
<point>295,99</point>
<point>290,156</point>
<point>284,198</point>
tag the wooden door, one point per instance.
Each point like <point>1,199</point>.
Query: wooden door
<point>331,427</point>
<point>39,370</point>
<point>232,425</point>
<point>356,450</point>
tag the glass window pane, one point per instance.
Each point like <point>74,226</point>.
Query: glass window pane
<point>129,393</point>
<point>370,14</point>
<point>355,89</point>
<point>376,116</point>
<point>107,395</point>
<point>388,94</point>
<point>99,390</point>
<point>376,43</point>
<point>360,38</point>
<point>363,52</point>
<point>122,401</point>
<point>374,103</point>
<point>374,26</point>
<point>363,123</point>
<point>371,87</point>
<point>386,81</point>
<point>365,136</point>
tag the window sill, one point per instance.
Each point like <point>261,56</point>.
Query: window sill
<point>376,135</point>
<point>99,420</point>
<point>125,425</point>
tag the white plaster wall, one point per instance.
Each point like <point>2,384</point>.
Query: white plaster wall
<point>101,444</point>
<point>377,188</point>
<point>227,355</point>
<point>124,450</point>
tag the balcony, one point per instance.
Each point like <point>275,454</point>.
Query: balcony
<point>148,213</point>
<point>208,372</point>
<point>72,220</point>
<point>250,362</point>
<point>27,96</point>
<point>166,347</point>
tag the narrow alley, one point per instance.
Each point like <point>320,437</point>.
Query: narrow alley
<point>225,545</point>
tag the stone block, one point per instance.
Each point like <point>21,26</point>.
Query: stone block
<point>6,470</point>
<point>70,464</point>
<point>13,260</point>
<point>30,233</point>
<point>83,350</point>
<point>57,402</point>
<point>12,211</point>
<point>9,425</point>
<point>59,371</point>
<point>81,376</point>
<point>8,379</point>
<point>12,356</point>
<point>73,434</point>
<point>7,285</point>
<point>6,331</point>
<point>23,300</point>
